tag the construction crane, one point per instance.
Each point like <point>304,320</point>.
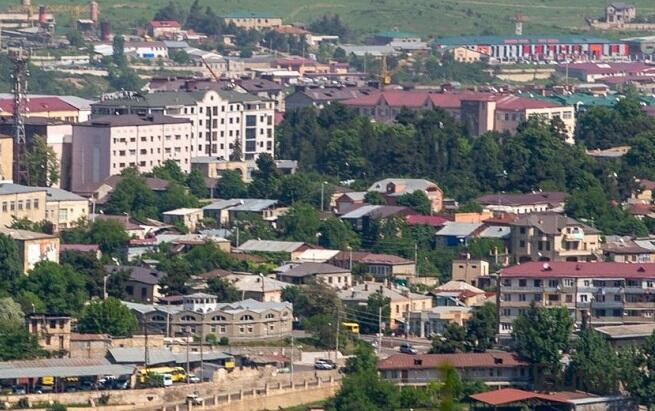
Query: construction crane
<point>385,75</point>
<point>211,71</point>
<point>19,58</point>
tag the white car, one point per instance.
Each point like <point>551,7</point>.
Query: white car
<point>322,365</point>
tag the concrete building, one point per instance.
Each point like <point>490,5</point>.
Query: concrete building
<point>219,119</point>
<point>52,331</point>
<point>553,237</point>
<point>186,217</point>
<point>34,247</point>
<point>105,146</point>
<point>164,28</point>
<point>537,202</point>
<point>495,369</point>
<point>380,266</point>
<point>50,107</point>
<point>470,271</point>
<point>308,273</point>
<point>599,293</point>
<point>466,55</point>
<point>6,157</point>
<point>142,284</point>
<point>402,300</point>
<point>620,13</point>
<point>201,315</point>
<point>432,322</point>
<point>257,287</point>
<point>21,202</point>
<point>291,250</point>
<point>64,209</point>
<point>396,187</point>
<point>253,20</point>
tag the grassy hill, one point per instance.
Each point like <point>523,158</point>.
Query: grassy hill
<point>426,17</point>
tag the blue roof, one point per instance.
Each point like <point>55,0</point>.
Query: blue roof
<point>468,40</point>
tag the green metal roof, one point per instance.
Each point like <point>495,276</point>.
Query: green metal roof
<point>396,34</point>
<point>582,99</point>
<point>466,40</point>
<point>250,15</point>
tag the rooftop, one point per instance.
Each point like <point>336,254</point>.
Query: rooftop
<point>617,332</point>
<point>57,194</point>
<point>551,223</point>
<point>138,274</point>
<point>519,199</point>
<point>11,188</point>
<point>61,367</point>
<point>569,269</point>
<point>38,105</point>
<point>129,120</point>
<point>24,235</point>
<point>183,211</point>
<point>309,269</point>
<point>452,228</point>
<point>250,15</point>
<point>499,40</point>
<point>361,292</point>
<point>487,359</point>
<point>270,246</point>
<point>402,185</point>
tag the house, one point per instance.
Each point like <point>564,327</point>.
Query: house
<point>135,228</point>
<point>64,209</point>
<point>510,111</point>
<point>460,294</point>
<point>349,201</point>
<point>319,97</point>
<point>265,89</point>
<point>291,249</point>
<point>21,202</point>
<point>88,346</point>
<point>626,334</point>
<point>436,221</point>
<point>33,247</point>
<point>553,237</point>
<point>164,28</point>
<point>142,284</point>
<point>536,202</point>
<point>493,368</point>
<point>256,287</point>
<point>620,13</point>
<point>253,20</point>
<point>100,193</point>
<point>360,217</point>
<point>645,191</point>
<point>433,322</point>
<point>402,301</point>
<point>552,399</point>
<point>473,272</point>
<point>596,293</point>
<point>186,217</point>
<point>202,315</point>
<point>455,234</point>
<point>307,273</point>
<point>380,266</point>
<point>52,331</point>
<point>466,55</point>
<point>318,256</point>
<point>50,107</point>
<point>107,145</point>
<point>627,250</point>
<point>395,187</point>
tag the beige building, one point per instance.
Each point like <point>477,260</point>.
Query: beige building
<point>188,217</point>
<point>466,55</point>
<point>34,247</point>
<point>6,157</point>
<point>257,287</point>
<point>402,300</point>
<point>395,187</point>
<point>65,209</point>
<point>512,111</point>
<point>21,202</point>
<point>308,273</point>
<point>553,237</point>
<point>470,271</point>
<point>53,332</point>
<point>253,20</point>
<point>201,315</point>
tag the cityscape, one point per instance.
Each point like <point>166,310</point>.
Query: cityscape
<point>377,205</point>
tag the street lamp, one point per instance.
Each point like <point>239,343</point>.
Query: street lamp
<point>323,194</point>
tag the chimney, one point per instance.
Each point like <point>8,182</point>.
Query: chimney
<point>94,11</point>
<point>42,13</point>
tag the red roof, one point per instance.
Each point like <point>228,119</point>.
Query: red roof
<point>433,220</point>
<point>607,68</point>
<point>515,103</point>
<point>38,105</point>
<point>570,269</point>
<point>511,395</point>
<point>647,184</point>
<point>640,209</point>
<point>469,360</point>
<point>165,23</point>
<point>279,117</point>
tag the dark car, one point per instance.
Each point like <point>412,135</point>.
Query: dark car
<point>407,348</point>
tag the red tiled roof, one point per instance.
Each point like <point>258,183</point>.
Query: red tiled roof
<point>503,396</point>
<point>647,184</point>
<point>405,98</point>
<point>384,259</point>
<point>640,209</point>
<point>38,105</point>
<point>503,219</point>
<point>433,220</point>
<point>607,68</point>
<point>570,269</point>
<point>165,23</point>
<point>515,103</point>
<point>469,360</point>
<point>290,30</point>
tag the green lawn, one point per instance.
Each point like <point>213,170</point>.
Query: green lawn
<point>427,17</point>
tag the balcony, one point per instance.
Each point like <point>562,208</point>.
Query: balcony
<point>517,289</point>
<point>643,304</point>
<point>517,304</point>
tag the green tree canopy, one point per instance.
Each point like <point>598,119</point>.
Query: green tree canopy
<point>231,185</point>
<point>132,196</point>
<point>108,316</point>
<point>59,287</point>
<point>596,362</point>
<point>224,290</point>
<point>40,164</point>
<point>541,335</point>
<point>16,343</point>
<point>300,223</point>
<point>11,266</point>
<point>336,234</point>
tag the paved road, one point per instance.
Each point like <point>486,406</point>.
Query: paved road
<point>391,345</point>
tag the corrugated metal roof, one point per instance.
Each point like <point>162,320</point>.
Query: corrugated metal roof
<point>496,231</point>
<point>270,246</point>
<point>254,205</point>
<point>452,228</point>
<point>360,212</point>
<point>136,355</point>
<point>61,367</point>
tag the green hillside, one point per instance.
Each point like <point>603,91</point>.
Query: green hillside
<point>427,17</point>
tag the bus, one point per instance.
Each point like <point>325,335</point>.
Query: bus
<point>352,328</point>
<point>177,373</point>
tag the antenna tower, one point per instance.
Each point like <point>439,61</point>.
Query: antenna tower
<point>19,58</point>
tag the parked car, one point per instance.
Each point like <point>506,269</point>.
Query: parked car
<point>193,379</point>
<point>320,365</point>
<point>19,389</point>
<point>407,348</point>
<point>194,399</point>
<point>329,362</point>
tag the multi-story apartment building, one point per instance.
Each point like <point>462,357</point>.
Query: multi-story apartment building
<point>220,119</point>
<point>201,314</point>
<point>553,237</point>
<point>21,202</point>
<point>104,146</point>
<point>64,209</point>
<point>600,293</point>
<point>253,20</point>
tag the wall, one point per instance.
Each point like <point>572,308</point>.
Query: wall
<point>32,213</point>
<point>6,157</point>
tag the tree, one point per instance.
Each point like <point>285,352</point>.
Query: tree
<point>265,179</point>
<point>231,185</point>
<point>224,290</point>
<point>176,196</point>
<point>10,311</point>
<point>118,55</point>
<point>172,11</point>
<point>87,264</point>
<point>375,198</point>
<point>132,196</point>
<point>110,235</point>
<point>596,363</point>
<point>639,371</point>
<point>337,234</point>
<point>300,223</point>
<point>16,343</point>
<point>482,326</point>
<point>40,164</point>
<point>541,335</point>
<point>169,170</point>
<point>417,201</point>
<point>451,388</point>
<point>196,183</point>
<point>60,288</point>
<point>108,316</point>
<point>11,267</point>
<point>452,341</point>
<point>29,225</point>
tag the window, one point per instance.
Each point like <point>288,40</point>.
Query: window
<point>218,318</point>
<point>553,283</point>
<point>12,205</point>
<point>20,204</point>
<point>506,282</point>
<point>4,206</point>
<point>247,317</point>
<point>188,318</point>
<point>537,283</point>
<point>522,297</point>
<point>270,316</point>
<point>28,204</point>
<point>157,318</point>
<point>522,243</point>
<point>523,283</point>
<point>583,298</point>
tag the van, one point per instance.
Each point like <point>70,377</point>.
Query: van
<point>168,380</point>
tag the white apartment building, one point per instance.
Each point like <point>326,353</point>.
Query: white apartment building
<point>602,293</point>
<point>219,119</point>
<point>105,146</point>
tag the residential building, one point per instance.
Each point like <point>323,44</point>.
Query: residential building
<point>435,321</point>
<point>317,255</point>
<point>349,201</point>
<point>513,110</point>
<point>395,187</point>
<point>459,294</point>
<point>599,293</point>
<point>201,315</point>
<point>253,20</point>
<point>266,90</point>
<point>227,212</point>
<point>21,202</point>
<point>553,237</point>
<point>64,209</point>
<point>186,217</point>
<point>380,266</point>
<point>50,107</point>
<point>591,72</point>
<point>620,13</point>
<point>456,234</point>
<point>538,48</point>
<point>552,399</point>
<point>627,250</point>
<point>470,271</point>
<point>626,335</point>
<point>291,249</point>
<point>258,287</point>
<point>100,193</point>
<point>308,273</point>
<point>319,97</point>
<point>6,157</point>
<point>402,301</point>
<point>361,217</point>
<point>645,191</point>
<point>142,284</point>
<point>105,146</point>
<point>493,368</point>
<point>88,346</point>
<point>164,28</point>
<point>33,247</point>
<point>219,118</point>
<point>53,331</point>
<point>536,202</point>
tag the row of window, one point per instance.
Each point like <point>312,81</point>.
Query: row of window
<point>20,205</point>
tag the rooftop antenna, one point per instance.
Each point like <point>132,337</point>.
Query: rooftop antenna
<point>19,58</point>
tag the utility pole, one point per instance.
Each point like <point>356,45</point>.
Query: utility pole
<point>202,344</point>
<point>146,351</point>
<point>188,363</point>
<point>237,236</point>
<point>379,330</point>
<point>336,344</point>
<point>19,59</point>
<point>291,358</point>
